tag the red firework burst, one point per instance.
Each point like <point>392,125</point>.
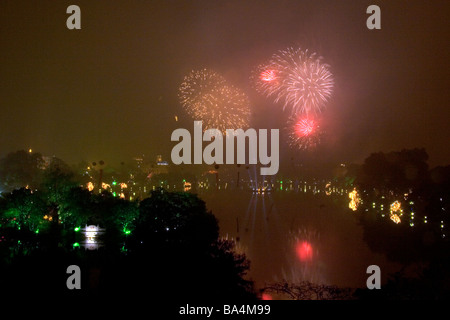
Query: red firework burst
<point>303,132</point>
<point>304,127</point>
<point>268,75</point>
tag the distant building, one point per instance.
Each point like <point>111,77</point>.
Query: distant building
<point>139,161</point>
<point>160,167</point>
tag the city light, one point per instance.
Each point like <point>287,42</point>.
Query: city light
<point>91,234</point>
<point>394,217</point>
<point>354,200</point>
<point>396,212</point>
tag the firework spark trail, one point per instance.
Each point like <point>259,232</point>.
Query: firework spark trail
<point>206,96</point>
<point>297,78</point>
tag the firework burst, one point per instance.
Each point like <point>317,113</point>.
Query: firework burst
<point>206,96</point>
<point>269,75</point>
<point>303,132</point>
<point>266,79</point>
<point>305,83</point>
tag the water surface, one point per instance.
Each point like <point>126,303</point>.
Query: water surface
<point>295,236</point>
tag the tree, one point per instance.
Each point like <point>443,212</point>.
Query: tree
<point>403,177</point>
<point>228,271</point>
<point>20,169</point>
<point>24,208</point>
<point>395,171</point>
<point>82,172</point>
<point>124,214</point>
<point>77,207</point>
<point>177,216</point>
<point>306,290</point>
<point>175,250</point>
<point>58,180</point>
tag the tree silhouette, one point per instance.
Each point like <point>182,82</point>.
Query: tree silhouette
<point>176,216</point>
<point>306,290</point>
<point>20,169</point>
<point>394,171</point>
<point>175,249</point>
<point>58,180</point>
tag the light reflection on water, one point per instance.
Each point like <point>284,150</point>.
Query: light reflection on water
<point>92,234</point>
<point>295,237</point>
<point>303,260</point>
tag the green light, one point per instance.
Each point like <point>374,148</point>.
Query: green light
<point>37,231</point>
<point>114,183</point>
<point>76,229</point>
<point>76,244</point>
<point>114,194</point>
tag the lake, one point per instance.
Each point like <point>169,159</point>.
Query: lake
<point>296,236</point>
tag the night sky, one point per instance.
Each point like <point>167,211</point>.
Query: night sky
<point>109,90</point>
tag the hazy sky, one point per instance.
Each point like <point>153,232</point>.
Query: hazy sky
<point>109,90</point>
